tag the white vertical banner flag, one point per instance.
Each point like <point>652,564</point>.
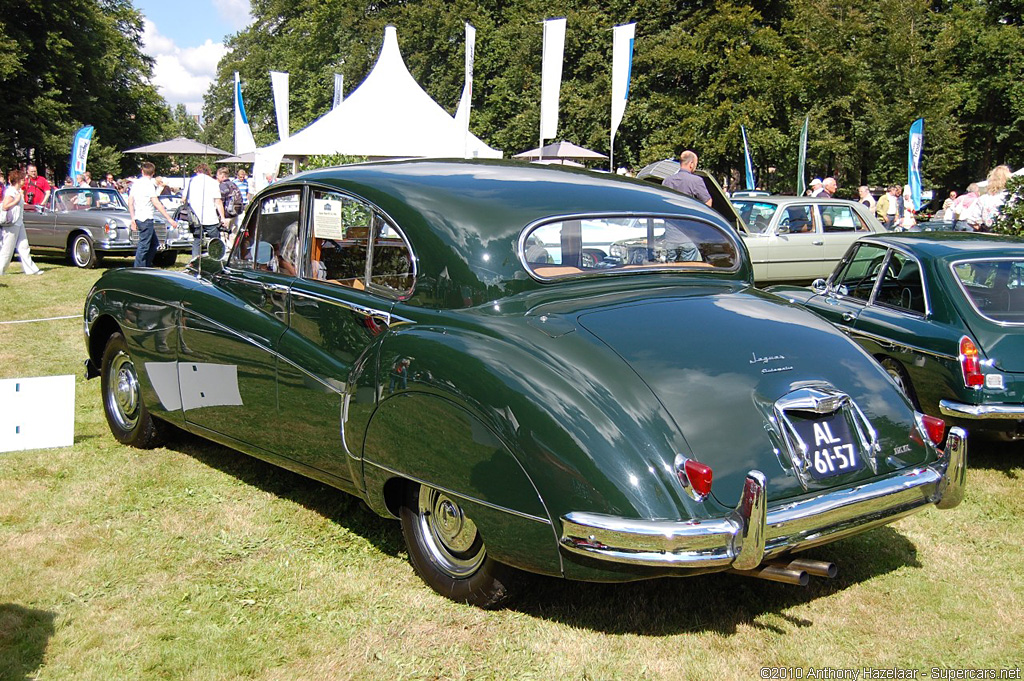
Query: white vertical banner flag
<point>466,102</point>
<point>622,66</point>
<point>551,77</point>
<point>244,143</point>
<point>339,81</point>
<point>279,84</point>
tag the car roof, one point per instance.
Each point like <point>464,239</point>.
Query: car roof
<point>492,199</point>
<point>951,246</point>
<point>786,200</point>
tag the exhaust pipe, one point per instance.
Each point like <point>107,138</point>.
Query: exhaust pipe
<point>818,568</point>
<point>776,573</point>
<point>796,571</point>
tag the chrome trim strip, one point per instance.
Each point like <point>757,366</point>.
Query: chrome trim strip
<point>464,497</point>
<point>792,526</point>
<point>882,340</point>
<point>981,411</point>
<point>344,304</point>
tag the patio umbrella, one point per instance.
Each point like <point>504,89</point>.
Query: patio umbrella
<point>561,149</point>
<point>179,145</point>
<point>241,158</point>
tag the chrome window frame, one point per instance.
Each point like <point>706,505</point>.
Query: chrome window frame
<point>924,285</point>
<point>730,237</point>
<point>252,214</point>
<point>890,248</point>
<point>963,289</point>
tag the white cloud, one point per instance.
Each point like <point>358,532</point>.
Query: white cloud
<point>234,12</point>
<point>183,75</point>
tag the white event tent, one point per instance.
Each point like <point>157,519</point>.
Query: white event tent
<point>389,115</point>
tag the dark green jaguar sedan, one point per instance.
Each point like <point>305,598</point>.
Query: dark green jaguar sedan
<point>443,340</point>
<point>944,314</point>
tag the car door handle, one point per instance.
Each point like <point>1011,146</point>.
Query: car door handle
<point>849,316</point>
<point>275,288</point>
<point>818,242</point>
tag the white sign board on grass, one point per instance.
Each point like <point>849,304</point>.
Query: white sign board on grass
<point>37,413</point>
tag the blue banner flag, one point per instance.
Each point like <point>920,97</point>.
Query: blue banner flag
<point>914,161</point>
<point>80,152</point>
<point>746,157</point>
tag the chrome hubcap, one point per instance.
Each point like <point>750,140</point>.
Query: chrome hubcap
<point>897,379</point>
<point>82,251</point>
<point>449,536</point>
<point>123,397</point>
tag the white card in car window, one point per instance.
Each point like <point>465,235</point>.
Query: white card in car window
<point>327,219</point>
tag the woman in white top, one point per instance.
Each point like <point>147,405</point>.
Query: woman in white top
<point>12,213</point>
<point>983,213</point>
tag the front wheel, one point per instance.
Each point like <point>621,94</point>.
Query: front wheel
<point>82,252</point>
<point>126,413</point>
<point>447,552</point>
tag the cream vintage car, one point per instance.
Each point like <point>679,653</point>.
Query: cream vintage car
<point>800,238</point>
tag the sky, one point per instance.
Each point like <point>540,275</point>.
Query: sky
<point>186,38</point>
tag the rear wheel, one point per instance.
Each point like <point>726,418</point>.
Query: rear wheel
<point>82,252</point>
<point>446,549</point>
<point>899,376</point>
<point>126,413</point>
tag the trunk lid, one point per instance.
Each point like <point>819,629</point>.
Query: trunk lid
<point>722,363</point>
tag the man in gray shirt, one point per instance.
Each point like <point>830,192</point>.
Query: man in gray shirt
<point>685,181</point>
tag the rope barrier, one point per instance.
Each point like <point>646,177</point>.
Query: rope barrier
<point>45,319</point>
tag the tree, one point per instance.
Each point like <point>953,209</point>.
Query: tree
<point>72,63</point>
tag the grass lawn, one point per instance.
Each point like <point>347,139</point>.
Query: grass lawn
<point>194,561</point>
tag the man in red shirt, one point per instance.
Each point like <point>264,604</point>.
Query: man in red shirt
<point>37,189</point>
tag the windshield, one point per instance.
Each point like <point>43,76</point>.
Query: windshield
<point>995,287</point>
<point>88,198</point>
<point>597,245</point>
<point>756,215</point>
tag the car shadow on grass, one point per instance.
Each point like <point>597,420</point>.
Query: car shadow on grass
<point>339,507</point>
<point>720,603</point>
<point>24,635</point>
<point>1004,457</point>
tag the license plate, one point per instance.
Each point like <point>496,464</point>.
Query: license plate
<point>831,447</point>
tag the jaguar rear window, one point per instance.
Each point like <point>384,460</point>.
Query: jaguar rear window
<point>597,245</point>
<point>995,287</point>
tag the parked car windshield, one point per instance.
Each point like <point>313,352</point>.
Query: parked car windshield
<point>88,198</point>
<point>595,245</point>
<point>994,287</point>
<point>756,215</point>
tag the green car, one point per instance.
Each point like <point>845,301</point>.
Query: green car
<point>944,314</point>
<point>432,337</point>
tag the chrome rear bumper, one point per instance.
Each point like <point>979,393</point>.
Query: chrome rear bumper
<point>753,532</point>
<point>981,411</point>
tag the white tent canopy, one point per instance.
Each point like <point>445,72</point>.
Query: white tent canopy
<point>388,115</point>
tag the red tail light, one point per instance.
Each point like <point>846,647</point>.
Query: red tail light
<point>699,476</point>
<point>934,428</point>
<point>970,363</point>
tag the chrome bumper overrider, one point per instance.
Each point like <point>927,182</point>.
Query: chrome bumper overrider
<point>753,532</point>
<point>981,411</point>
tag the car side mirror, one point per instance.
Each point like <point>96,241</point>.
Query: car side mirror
<point>819,286</point>
<point>264,253</point>
<point>782,229</point>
